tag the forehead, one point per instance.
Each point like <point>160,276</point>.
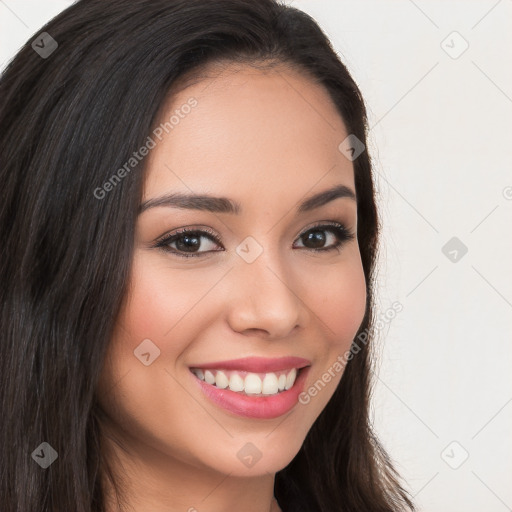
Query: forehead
<point>271,132</point>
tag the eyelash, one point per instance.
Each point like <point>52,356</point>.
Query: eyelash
<point>337,228</point>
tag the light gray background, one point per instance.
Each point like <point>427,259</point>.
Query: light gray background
<point>441,139</point>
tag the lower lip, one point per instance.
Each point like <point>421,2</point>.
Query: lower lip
<point>262,407</point>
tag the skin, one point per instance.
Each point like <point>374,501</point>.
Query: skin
<point>267,139</point>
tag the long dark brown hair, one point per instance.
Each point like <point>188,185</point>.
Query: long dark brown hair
<point>67,123</point>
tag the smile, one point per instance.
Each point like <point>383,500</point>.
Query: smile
<point>248,383</point>
<point>253,387</point>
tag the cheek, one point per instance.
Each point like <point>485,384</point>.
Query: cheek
<point>339,301</point>
<point>142,398</point>
<point>340,306</point>
<point>153,306</point>
<point>161,303</point>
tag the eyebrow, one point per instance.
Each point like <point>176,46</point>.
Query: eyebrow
<point>224,205</point>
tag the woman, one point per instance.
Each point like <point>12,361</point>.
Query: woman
<point>164,348</point>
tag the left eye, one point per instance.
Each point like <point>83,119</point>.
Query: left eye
<point>188,240</point>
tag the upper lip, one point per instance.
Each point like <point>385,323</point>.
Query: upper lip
<point>257,364</point>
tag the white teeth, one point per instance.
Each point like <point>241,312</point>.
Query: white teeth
<point>236,383</point>
<point>209,377</point>
<point>221,381</point>
<point>269,386</point>
<point>250,383</point>
<point>281,382</point>
<point>290,378</point>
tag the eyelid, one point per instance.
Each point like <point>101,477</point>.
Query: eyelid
<point>324,223</point>
<point>186,230</point>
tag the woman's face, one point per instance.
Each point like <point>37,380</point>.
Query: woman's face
<point>267,141</point>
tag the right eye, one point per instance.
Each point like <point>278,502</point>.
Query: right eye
<point>187,241</point>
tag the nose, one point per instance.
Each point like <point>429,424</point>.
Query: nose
<point>264,299</point>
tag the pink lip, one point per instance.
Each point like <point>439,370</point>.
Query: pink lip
<point>256,364</point>
<point>262,407</point>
